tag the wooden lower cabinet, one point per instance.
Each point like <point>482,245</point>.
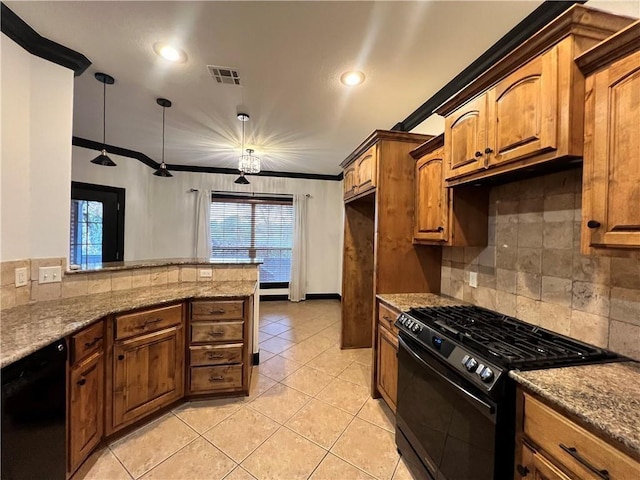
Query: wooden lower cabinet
<point>86,408</point>
<point>387,366</point>
<point>147,374</point>
<point>555,447</point>
<point>535,467</point>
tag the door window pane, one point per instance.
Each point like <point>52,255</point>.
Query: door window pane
<point>86,232</point>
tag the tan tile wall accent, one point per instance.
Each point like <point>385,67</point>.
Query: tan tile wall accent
<point>533,268</point>
<point>79,284</point>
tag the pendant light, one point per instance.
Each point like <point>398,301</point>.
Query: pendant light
<point>247,163</point>
<point>103,159</point>
<point>162,169</point>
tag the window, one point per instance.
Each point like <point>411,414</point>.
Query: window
<point>255,227</point>
<point>97,224</point>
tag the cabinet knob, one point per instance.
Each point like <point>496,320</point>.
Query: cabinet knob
<point>120,357</point>
<point>440,229</point>
<point>522,470</point>
<point>478,154</point>
<point>593,224</point>
<point>82,381</point>
<point>488,151</point>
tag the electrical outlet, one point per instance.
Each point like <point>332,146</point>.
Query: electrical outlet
<point>50,274</point>
<point>473,279</point>
<point>21,277</point>
<point>206,273</point>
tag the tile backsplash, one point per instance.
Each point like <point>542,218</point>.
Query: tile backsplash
<point>83,283</point>
<point>533,268</point>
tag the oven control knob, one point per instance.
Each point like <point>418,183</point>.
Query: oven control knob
<point>471,364</point>
<point>487,375</point>
<point>416,328</point>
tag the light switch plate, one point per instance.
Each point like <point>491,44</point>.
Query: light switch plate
<point>473,279</point>
<point>21,277</point>
<point>206,273</point>
<point>50,274</point>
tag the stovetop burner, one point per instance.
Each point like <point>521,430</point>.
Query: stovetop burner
<point>505,340</point>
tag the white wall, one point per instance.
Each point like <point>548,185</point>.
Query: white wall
<point>37,118</point>
<point>135,177</point>
<point>160,212</point>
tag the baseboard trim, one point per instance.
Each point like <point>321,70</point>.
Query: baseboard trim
<point>310,296</point>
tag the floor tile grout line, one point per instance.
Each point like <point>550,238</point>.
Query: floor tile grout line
<point>120,462</point>
<point>171,455</point>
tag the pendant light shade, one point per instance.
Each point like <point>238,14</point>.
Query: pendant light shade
<point>162,170</point>
<point>103,159</point>
<point>241,180</point>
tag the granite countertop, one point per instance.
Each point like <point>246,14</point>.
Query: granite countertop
<point>605,397</point>
<point>405,301</point>
<point>162,262</point>
<point>27,328</point>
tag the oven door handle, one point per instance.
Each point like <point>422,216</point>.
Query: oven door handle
<point>490,408</point>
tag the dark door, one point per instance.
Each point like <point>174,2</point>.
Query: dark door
<point>97,224</point>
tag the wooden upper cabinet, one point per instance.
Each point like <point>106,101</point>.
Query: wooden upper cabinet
<point>455,216</point>
<point>366,166</point>
<point>431,216</point>
<point>527,109</point>
<point>349,182</point>
<point>360,174</point>
<point>611,179</point>
<point>522,112</point>
<point>465,138</point>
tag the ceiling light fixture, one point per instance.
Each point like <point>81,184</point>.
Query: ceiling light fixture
<point>247,162</point>
<point>170,53</point>
<point>162,169</point>
<point>103,159</point>
<point>351,79</point>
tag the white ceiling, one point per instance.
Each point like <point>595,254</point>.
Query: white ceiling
<point>290,56</point>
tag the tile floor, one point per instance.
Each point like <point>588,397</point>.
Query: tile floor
<point>309,416</point>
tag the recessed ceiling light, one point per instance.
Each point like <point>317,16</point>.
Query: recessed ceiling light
<point>351,79</point>
<point>170,53</point>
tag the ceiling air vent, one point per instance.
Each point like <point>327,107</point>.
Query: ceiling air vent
<point>224,75</point>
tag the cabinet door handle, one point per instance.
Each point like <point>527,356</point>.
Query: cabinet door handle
<point>218,311</point>
<point>82,381</point>
<point>522,470</point>
<point>387,318</point>
<point>92,342</point>
<point>440,229</point>
<point>478,154</point>
<point>488,151</point>
<point>213,356</point>
<point>121,357</point>
<point>603,474</point>
<point>215,333</point>
<point>219,378</point>
<point>593,224</point>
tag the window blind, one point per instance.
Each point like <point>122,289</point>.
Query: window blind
<point>254,227</point>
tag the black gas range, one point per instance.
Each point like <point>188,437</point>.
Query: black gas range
<point>456,404</point>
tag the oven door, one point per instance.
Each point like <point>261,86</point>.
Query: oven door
<point>449,423</point>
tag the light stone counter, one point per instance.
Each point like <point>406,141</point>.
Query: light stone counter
<point>405,301</point>
<point>605,397</point>
<point>27,328</point>
<point>164,262</point>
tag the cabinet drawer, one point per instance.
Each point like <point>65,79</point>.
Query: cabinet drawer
<point>387,317</point>
<point>87,341</point>
<point>204,379</point>
<point>215,354</point>
<point>573,446</point>
<point>205,332</point>
<point>147,321</point>
<point>217,310</point>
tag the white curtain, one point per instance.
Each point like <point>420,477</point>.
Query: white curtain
<point>202,233</point>
<point>298,281</point>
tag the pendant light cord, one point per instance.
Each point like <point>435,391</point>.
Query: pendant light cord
<point>104,115</point>
<point>163,110</point>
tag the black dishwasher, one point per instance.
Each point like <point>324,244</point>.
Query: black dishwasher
<point>33,439</point>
